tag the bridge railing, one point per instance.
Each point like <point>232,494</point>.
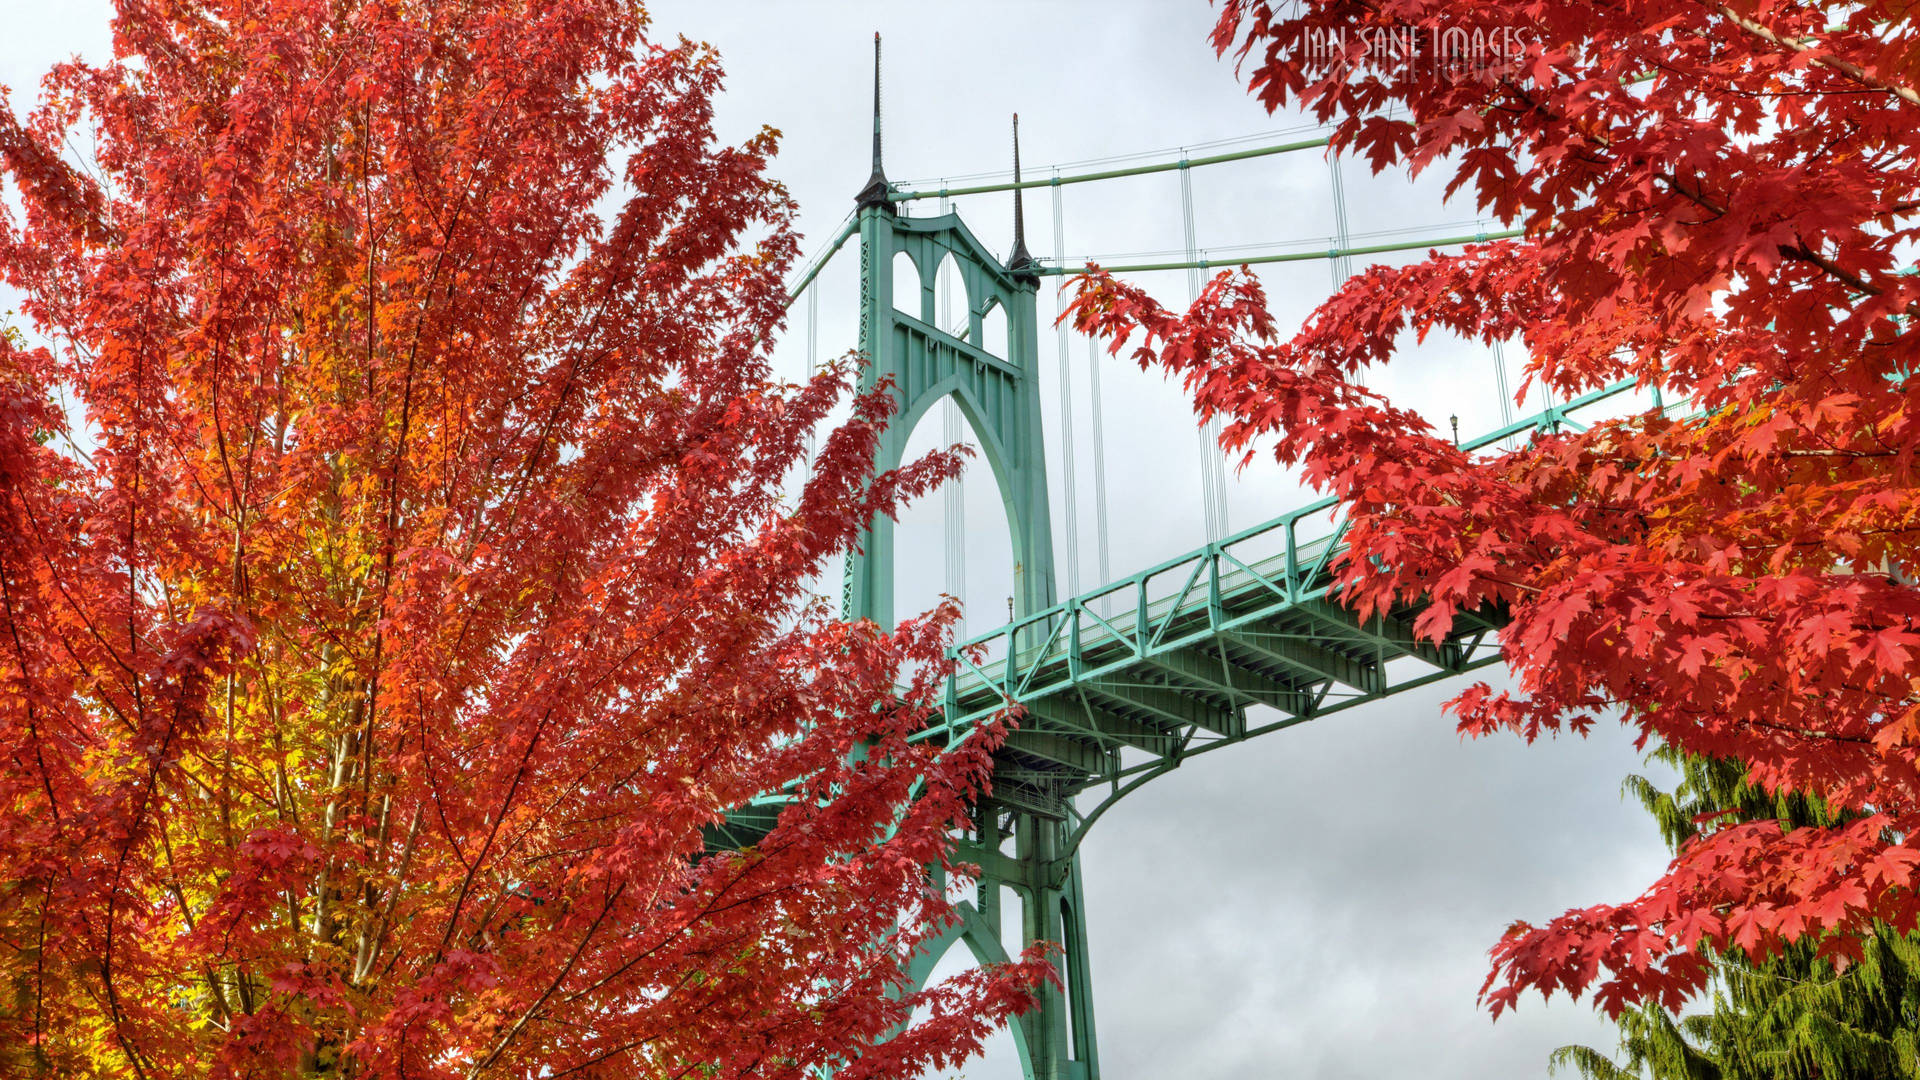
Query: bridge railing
<point>1285,561</point>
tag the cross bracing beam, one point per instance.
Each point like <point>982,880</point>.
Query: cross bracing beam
<point>1298,652</point>
<point>1036,793</point>
<point>1076,754</point>
<point>1169,705</point>
<point>1210,672</point>
<point>1386,634</point>
<point>1078,714</point>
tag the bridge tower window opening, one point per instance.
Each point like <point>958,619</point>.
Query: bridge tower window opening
<point>958,541</point>
<point>909,292</point>
<point>993,332</point>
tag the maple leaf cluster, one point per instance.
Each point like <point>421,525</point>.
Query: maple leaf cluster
<point>397,582</point>
<point>1718,202</point>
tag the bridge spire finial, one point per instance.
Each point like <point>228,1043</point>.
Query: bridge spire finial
<point>875,193</point>
<point>1019,262</point>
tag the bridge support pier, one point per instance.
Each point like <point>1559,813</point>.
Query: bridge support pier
<point>1056,1038</point>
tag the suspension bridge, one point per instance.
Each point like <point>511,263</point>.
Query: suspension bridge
<point>1122,682</point>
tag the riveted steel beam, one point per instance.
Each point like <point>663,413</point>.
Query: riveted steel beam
<point>995,864</point>
<point>1017,789</point>
<point>1074,712</point>
<point>1066,750</point>
<point>1241,685</point>
<point>1388,633</point>
<point>1168,706</point>
<point>1287,649</point>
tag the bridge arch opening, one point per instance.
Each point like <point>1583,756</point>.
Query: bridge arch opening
<point>993,331</point>
<point>953,308</point>
<point>907,289</point>
<point>1005,1052</point>
<point>921,536</point>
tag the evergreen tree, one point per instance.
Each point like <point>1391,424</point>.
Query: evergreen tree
<point>1790,1016</point>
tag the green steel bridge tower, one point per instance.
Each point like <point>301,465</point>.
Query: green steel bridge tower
<point>1120,684</point>
<point>1000,397</point>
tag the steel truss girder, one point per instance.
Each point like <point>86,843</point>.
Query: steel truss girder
<point>1292,651</point>
<point>1080,715</point>
<point>1064,750</point>
<point>1216,673</point>
<point>1169,705</point>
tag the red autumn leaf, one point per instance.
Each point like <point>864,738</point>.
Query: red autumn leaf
<point>1735,577</point>
<point>383,647</point>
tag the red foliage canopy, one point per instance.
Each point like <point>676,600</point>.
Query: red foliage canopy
<point>1717,200</point>
<point>396,580</point>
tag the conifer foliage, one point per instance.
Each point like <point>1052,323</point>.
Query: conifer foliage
<point>1788,1017</point>
<point>1718,200</point>
<point>395,579</point>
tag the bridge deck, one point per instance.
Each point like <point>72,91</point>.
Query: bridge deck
<point>1129,678</point>
<point>1120,683</point>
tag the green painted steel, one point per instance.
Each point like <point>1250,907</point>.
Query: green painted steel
<point>1112,700</point>
<point>1228,642</point>
<point>852,228</point>
<point>1115,699</point>
<point>1200,647</point>
<point>996,385</point>
<point>1225,643</point>
<point>1121,684</point>
<point>1199,640</point>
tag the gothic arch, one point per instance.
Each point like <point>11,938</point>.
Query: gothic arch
<point>953,314</point>
<point>995,337</point>
<point>908,275</point>
<point>973,932</point>
<point>995,384</point>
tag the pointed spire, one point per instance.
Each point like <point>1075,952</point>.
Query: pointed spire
<point>875,193</point>
<point>1019,262</point>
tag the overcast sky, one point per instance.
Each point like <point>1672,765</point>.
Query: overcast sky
<point>1317,903</point>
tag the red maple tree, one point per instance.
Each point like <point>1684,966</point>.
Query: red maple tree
<point>397,583</point>
<point>1718,200</point>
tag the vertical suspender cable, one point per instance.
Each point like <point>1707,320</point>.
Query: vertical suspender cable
<point>813,353</point>
<point>953,431</point>
<point>1069,475</point>
<point>1213,470</point>
<point>1546,400</point>
<point>1099,472</point>
<point>1342,265</point>
<point>1500,384</point>
<point>813,368</point>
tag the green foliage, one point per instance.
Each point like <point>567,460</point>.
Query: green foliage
<point>1789,1016</point>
